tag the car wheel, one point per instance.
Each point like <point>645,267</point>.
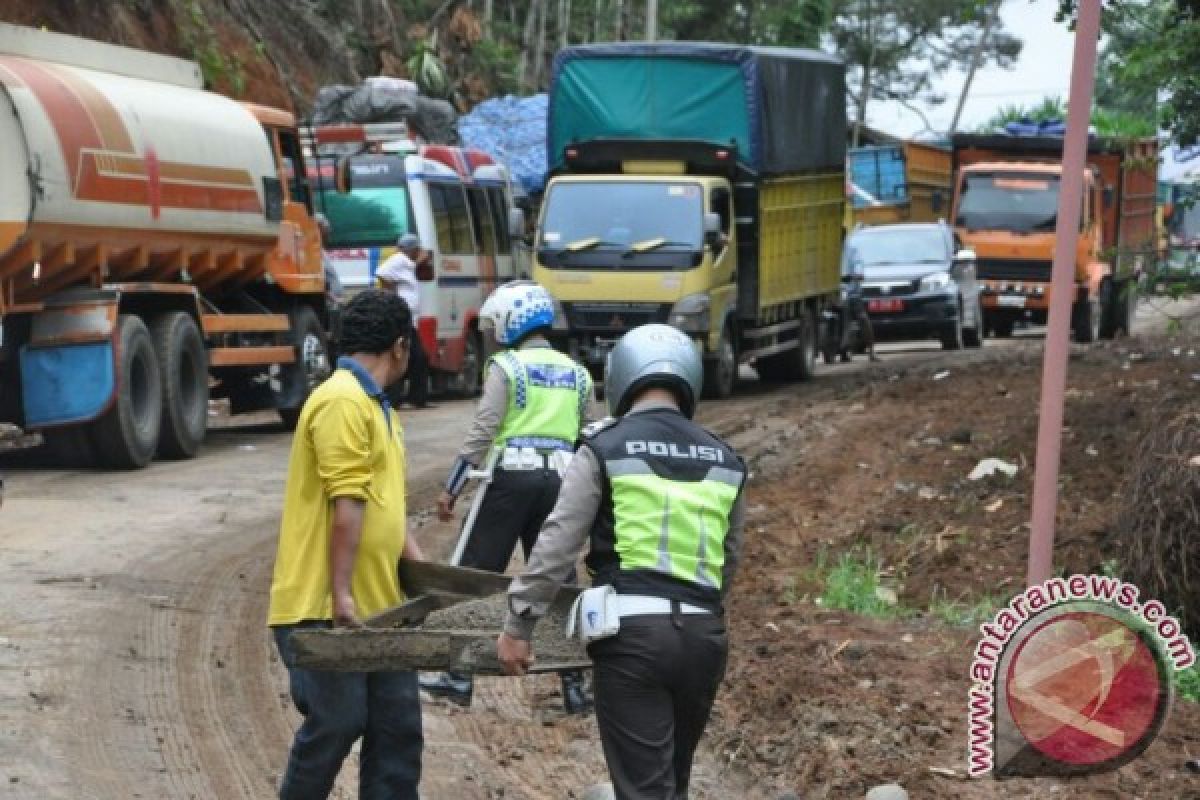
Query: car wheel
<point>952,334</point>
<point>973,336</point>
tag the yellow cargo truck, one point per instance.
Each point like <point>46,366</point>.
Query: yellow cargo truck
<point>699,185</point>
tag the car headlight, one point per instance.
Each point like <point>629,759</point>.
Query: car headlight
<point>560,317</point>
<point>935,281</point>
<point>690,314</point>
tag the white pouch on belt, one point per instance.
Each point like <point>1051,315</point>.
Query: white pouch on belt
<point>596,614</point>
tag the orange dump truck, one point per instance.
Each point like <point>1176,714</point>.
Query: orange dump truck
<point>1005,209</point>
<point>154,248</point>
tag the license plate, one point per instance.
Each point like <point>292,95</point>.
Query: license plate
<point>1011,301</point>
<point>889,305</point>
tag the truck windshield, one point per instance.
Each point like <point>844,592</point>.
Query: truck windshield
<point>1010,201</point>
<point>605,216</point>
<point>366,217</point>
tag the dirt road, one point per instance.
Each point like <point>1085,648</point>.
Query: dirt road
<point>133,653</point>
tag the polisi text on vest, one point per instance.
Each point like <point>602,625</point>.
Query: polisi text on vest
<point>696,452</point>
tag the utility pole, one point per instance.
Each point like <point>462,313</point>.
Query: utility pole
<point>651,20</point>
<point>976,57</point>
<point>1054,364</point>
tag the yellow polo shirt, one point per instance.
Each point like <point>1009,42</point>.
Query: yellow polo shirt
<point>342,448</point>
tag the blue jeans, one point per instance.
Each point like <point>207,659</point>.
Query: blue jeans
<point>381,708</point>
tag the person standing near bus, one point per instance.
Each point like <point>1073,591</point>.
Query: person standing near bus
<point>399,274</point>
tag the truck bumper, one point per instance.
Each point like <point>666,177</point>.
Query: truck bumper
<point>922,316</point>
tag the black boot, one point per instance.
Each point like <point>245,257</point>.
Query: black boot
<point>576,697</point>
<point>457,687</point>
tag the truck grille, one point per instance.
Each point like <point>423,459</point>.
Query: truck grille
<point>1012,269</point>
<point>614,317</point>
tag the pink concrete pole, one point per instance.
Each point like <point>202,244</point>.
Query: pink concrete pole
<point>1062,293</point>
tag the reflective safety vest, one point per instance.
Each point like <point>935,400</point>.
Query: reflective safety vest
<point>547,398</point>
<point>671,488</point>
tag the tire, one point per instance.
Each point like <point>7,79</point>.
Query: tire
<point>183,364</point>
<point>797,364</point>
<point>720,373</point>
<point>1085,321</point>
<point>1002,327</point>
<point>126,436</point>
<point>471,379</point>
<point>312,365</point>
<point>831,347</point>
<point>973,337</point>
<point>952,334</point>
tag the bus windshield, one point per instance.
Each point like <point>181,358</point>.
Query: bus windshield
<point>366,217</point>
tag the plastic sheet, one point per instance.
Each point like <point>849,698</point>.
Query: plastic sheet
<point>512,130</point>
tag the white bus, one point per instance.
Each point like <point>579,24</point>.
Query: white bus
<point>459,204</point>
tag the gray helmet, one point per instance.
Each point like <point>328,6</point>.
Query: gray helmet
<point>653,355</point>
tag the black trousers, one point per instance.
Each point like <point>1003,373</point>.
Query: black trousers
<point>513,510</point>
<point>416,378</point>
<point>655,683</point>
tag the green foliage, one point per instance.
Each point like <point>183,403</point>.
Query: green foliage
<point>853,585</point>
<point>895,49</point>
<point>201,43</point>
<point>1187,683</point>
<point>1156,49</point>
<point>425,68</point>
<point>1107,122</point>
<point>961,613</point>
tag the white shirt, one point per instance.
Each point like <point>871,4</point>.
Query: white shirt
<point>402,271</point>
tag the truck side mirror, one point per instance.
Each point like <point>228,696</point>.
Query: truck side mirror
<point>965,254</point>
<point>937,201</point>
<point>712,222</point>
<point>343,176</point>
<point>516,223</point>
<point>1108,196</point>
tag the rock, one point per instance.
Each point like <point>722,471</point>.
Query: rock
<point>888,791</point>
<point>601,791</point>
<point>961,436</point>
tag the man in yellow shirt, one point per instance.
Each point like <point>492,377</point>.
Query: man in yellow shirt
<point>340,540</point>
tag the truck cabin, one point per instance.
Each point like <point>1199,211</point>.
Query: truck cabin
<point>650,206</point>
<point>1019,198</point>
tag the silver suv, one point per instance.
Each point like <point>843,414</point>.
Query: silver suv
<point>917,283</point>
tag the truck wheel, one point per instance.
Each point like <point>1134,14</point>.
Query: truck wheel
<point>1110,310</point>
<point>312,365</point>
<point>67,446</point>
<point>1002,327</point>
<point>126,437</point>
<point>720,373</point>
<point>183,364</point>
<point>806,350</point>
<point>1085,321</point>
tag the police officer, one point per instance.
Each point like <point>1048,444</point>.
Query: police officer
<point>659,501</point>
<point>533,406</point>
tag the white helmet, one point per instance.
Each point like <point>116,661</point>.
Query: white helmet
<point>515,309</point>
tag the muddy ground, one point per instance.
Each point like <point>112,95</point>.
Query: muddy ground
<point>135,663</point>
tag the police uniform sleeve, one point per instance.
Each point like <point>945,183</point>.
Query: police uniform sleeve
<point>559,545</point>
<point>493,404</point>
<point>733,541</point>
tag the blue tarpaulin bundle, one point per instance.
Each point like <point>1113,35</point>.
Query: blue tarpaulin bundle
<point>1028,127</point>
<point>511,130</point>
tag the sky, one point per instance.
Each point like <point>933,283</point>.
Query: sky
<point>1043,68</point>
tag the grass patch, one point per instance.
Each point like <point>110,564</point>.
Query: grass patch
<point>960,613</point>
<point>852,584</point>
<point>1187,683</point>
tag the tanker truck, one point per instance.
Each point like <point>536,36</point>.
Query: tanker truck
<point>156,249</point>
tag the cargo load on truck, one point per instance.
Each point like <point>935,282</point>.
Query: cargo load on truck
<point>700,185</point>
<point>152,235</point>
<point>1005,208</point>
<point>902,182</point>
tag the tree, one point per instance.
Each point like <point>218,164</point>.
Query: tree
<point>895,48</point>
<point>1158,55</point>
